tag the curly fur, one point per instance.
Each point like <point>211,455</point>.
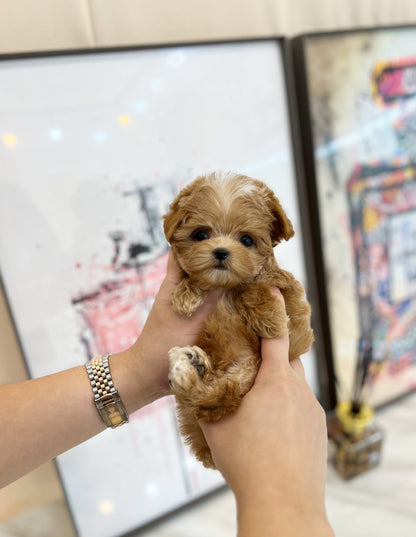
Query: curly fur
<point>207,226</point>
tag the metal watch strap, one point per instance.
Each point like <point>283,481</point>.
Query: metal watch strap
<point>106,397</point>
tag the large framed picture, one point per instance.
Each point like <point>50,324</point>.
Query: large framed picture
<point>94,145</point>
<point>357,96</point>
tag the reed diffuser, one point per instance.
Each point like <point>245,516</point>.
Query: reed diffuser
<point>355,440</point>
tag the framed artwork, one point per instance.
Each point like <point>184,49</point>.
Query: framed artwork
<point>94,145</point>
<point>357,101</point>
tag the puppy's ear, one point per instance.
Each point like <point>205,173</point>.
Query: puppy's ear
<point>173,219</point>
<point>282,227</point>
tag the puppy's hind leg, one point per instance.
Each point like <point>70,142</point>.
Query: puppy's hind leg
<point>205,394</point>
<point>193,436</point>
<point>299,313</point>
<point>189,366</point>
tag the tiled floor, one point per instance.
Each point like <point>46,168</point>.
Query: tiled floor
<point>380,503</point>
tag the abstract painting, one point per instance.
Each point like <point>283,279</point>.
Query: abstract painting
<point>358,106</point>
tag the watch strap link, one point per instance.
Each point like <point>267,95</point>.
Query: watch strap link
<point>106,397</point>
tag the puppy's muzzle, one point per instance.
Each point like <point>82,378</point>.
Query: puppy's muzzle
<point>221,254</point>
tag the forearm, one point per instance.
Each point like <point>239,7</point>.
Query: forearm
<point>44,417</point>
<point>270,517</point>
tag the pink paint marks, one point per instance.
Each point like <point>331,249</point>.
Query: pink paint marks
<point>401,325</point>
<point>411,386</point>
<point>398,366</point>
<point>113,315</point>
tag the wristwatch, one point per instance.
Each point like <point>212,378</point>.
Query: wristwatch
<point>106,397</point>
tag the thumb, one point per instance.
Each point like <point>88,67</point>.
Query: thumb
<point>173,272</point>
<point>274,356</point>
<point>274,351</point>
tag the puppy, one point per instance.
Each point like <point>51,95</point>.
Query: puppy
<point>222,230</point>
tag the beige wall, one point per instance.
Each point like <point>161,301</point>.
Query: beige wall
<point>56,24</point>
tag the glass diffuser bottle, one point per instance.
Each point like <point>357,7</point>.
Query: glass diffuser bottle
<point>355,440</point>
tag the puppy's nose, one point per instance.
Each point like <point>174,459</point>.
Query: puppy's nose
<point>221,254</point>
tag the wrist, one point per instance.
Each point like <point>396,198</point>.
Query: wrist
<point>271,514</point>
<point>134,380</point>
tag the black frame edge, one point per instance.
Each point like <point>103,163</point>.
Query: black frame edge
<point>308,196</point>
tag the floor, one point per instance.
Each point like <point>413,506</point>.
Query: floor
<point>379,503</point>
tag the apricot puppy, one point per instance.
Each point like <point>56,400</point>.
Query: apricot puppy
<point>222,230</point>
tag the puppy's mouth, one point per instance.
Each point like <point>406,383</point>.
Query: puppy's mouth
<point>221,266</point>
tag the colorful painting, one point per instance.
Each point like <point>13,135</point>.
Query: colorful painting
<point>93,148</point>
<point>360,95</point>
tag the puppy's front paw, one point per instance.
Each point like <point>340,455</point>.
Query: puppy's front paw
<point>188,365</point>
<point>186,301</point>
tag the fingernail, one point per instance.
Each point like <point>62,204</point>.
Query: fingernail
<point>275,291</point>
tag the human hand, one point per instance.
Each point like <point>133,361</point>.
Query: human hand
<point>165,329</point>
<point>272,451</point>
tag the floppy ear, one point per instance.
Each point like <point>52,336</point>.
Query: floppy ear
<point>172,219</point>
<point>282,226</point>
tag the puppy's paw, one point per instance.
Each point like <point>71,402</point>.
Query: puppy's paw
<point>268,320</point>
<point>186,300</point>
<point>188,365</point>
<point>272,323</point>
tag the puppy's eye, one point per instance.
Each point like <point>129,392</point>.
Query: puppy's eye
<point>246,241</point>
<point>200,235</point>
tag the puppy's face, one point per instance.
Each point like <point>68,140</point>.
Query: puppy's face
<point>223,229</point>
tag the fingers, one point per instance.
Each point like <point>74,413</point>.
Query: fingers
<point>277,345</point>
<point>173,274</point>
<point>275,352</point>
<point>170,281</point>
<point>296,364</point>
<point>275,291</point>
<point>213,297</point>
<point>275,357</point>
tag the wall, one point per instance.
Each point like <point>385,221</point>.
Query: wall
<point>56,24</point>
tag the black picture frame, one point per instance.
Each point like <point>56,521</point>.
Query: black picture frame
<point>336,106</point>
<point>34,64</point>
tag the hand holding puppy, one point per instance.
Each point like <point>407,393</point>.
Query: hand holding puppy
<point>272,451</point>
<point>222,230</point>
<point>163,329</point>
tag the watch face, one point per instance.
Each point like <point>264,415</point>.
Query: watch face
<point>114,414</point>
